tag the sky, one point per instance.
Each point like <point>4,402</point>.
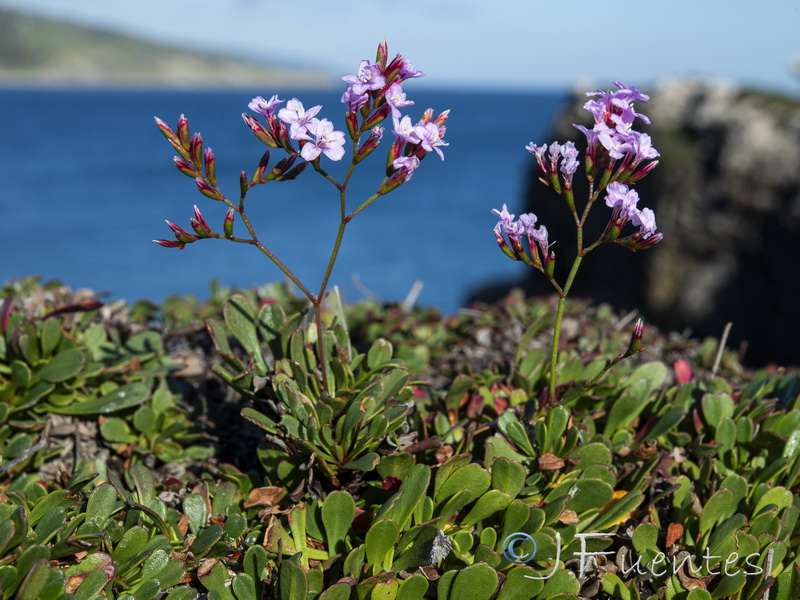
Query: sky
<point>502,44</point>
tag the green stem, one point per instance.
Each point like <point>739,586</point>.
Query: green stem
<point>343,220</point>
<point>285,269</point>
<point>366,203</point>
<point>562,302</point>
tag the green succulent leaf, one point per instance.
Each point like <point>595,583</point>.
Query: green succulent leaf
<point>338,512</point>
<point>125,396</point>
<point>475,582</point>
<point>292,581</point>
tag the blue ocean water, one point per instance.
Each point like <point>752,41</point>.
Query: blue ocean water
<point>87,181</point>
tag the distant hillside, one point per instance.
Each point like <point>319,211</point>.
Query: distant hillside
<point>37,51</point>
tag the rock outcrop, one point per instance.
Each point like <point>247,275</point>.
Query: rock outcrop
<point>726,196</point>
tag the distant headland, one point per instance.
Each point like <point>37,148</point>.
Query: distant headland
<point>39,52</point>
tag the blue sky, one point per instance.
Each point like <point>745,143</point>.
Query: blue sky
<point>475,43</point>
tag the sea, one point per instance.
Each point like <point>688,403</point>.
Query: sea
<point>87,180</point>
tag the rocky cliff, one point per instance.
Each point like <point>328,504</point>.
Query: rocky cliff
<point>726,195</point>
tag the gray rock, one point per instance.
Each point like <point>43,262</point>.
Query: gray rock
<point>726,196</point>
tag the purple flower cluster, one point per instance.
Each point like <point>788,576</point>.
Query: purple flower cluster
<point>613,158</point>
<point>614,115</point>
<point>566,154</point>
<point>373,92</point>
<point>515,230</point>
<point>375,87</point>
<point>622,200</point>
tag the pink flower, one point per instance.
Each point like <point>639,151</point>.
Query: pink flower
<point>430,136</point>
<point>369,77</point>
<point>396,98</point>
<point>406,164</point>
<point>264,107</point>
<point>298,117</point>
<point>326,141</point>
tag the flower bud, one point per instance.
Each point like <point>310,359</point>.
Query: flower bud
<point>243,185</point>
<point>281,134</point>
<point>519,250</point>
<point>185,167</point>
<point>262,134</point>
<point>380,58</point>
<point>636,337</point>
<point>210,164</point>
<point>200,225</point>
<point>351,119</point>
<point>227,224</point>
<point>167,131</point>
<point>643,172</point>
<point>377,117</point>
<point>501,241</point>
<point>369,146</point>
<point>282,167</point>
<point>442,119</point>
<point>394,152</point>
<point>392,182</point>
<point>207,190</point>
<point>426,116</point>
<point>170,244</point>
<point>393,69</point>
<point>260,169</point>
<point>183,132</point>
<point>292,174</point>
<point>550,264</point>
<point>196,150</point>
<point>644,244</point>
<point>181,235</point>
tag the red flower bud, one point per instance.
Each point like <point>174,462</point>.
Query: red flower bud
<point>392,70</point>
<point>185,167</point>
<point>207,190</point>
<point>549,264</point>
<point>392,182</point>
<point>210,164</point>
<point>181,235</point>
<point>501,241</point>
<point>351,119</point>
<point>183,132</point>
<point>170,244</point>
<point>643,172</point>
<point>167,131</point>
<point>369,146</point>
<point>227,224</point>
<point>281,168</point>
<point>442,119</point>
<point>380,58</point>
<point>262,134</point>
<point>196,150</point>
<point>377,117</point>
<point>394,152</point>
<point>292,174</point>
<point>200,225</point>
<point>636,337</point>
<point>260,169</point>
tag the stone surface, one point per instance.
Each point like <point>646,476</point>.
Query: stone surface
<point>727,197</point>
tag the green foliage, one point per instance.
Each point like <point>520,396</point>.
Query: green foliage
<point>66,360</point>
<point>340,429</point>
<point>652,470</point>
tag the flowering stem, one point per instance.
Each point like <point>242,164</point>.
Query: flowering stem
<point>285,269</point>
<point>343,221</point>
<point>562,302</point>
